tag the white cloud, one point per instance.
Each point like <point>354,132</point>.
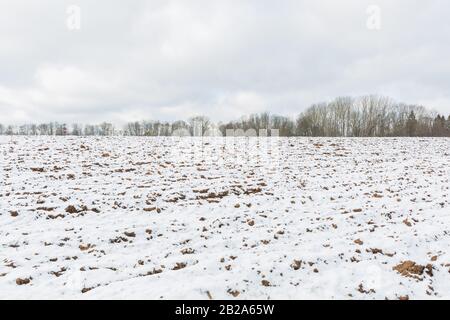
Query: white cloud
<point>172,59</point>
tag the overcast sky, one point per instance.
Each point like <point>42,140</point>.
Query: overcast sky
<point>171,59</point>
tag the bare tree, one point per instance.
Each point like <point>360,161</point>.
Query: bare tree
<point>365,116</point>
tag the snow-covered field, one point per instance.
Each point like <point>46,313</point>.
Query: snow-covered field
<point>223,218</point>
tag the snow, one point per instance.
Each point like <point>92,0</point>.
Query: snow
<point>214,217</point>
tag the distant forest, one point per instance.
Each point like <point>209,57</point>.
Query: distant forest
<point>366,116</point>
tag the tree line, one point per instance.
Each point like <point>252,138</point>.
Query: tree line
<point>366,116</point>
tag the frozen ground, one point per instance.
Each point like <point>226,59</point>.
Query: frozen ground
<point>182,218</point>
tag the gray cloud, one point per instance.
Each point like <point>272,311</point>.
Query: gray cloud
<point>173,59</point>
